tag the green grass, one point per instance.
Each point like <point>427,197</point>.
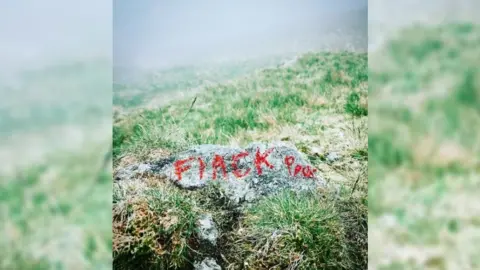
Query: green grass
<point>57,208</point>
<point>308,230</point>
<point>53,193</point>
<point>424,149</point>
<point>318,103</point>
<point>261,103</point>
<point>150,84</point>
<point>164,218</point>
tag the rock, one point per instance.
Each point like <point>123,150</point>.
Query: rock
<point>207,264</point>
<point>245,174</point>
<point>315,150</point>
<point>142,168</point>
<point>124,173</point>
<point>333,156</point>
<point>131,171</point>
<point>207,229</point>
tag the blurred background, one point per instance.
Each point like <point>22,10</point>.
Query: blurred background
<point>424,148</point>
<point>55,128</point>
<point>55,124</point>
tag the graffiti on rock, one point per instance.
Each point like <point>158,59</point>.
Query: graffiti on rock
<point>260,162</point>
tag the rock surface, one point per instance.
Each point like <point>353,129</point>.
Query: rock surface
<point>131,171</point>
<point>207,264</point>
<point>207,229</point>
<point>246,174</point>
<point>332,157</point>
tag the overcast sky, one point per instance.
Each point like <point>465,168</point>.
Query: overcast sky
<point>36,32</point>
<point>155,32</point>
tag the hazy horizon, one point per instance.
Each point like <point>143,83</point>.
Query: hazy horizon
<point>159,33</point>
<point>35,33</point>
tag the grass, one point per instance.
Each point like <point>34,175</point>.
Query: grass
<point>287,102</point>
<point>306,231</point>
<point>55,213</point>
<point>318,103</point>
<point>164,218</point>
<point>424,150</point>
<point>53,191</point>
<point>147,86</point>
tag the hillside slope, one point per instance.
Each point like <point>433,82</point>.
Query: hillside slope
<point>319,104</point>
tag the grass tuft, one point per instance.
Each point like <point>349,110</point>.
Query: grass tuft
<point>308,231</point>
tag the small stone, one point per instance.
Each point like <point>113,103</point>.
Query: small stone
<point>142,168</point>
<point>333,156</point>
<point>207,264</point>
<point>315,150</point>
<point>207,229</point>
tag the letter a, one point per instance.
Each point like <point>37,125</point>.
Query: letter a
<point>218,162</point>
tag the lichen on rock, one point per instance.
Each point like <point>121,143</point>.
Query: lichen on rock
<point>257,170</point>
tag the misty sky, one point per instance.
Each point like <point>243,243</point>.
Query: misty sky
<point>153,32</point>
<point>37,32</point>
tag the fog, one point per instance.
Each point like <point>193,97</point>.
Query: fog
<point>55,70</point>
<point>383,24</point>
<point>38,33</point>
<point>44,37</point>
<point>152,33</point>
